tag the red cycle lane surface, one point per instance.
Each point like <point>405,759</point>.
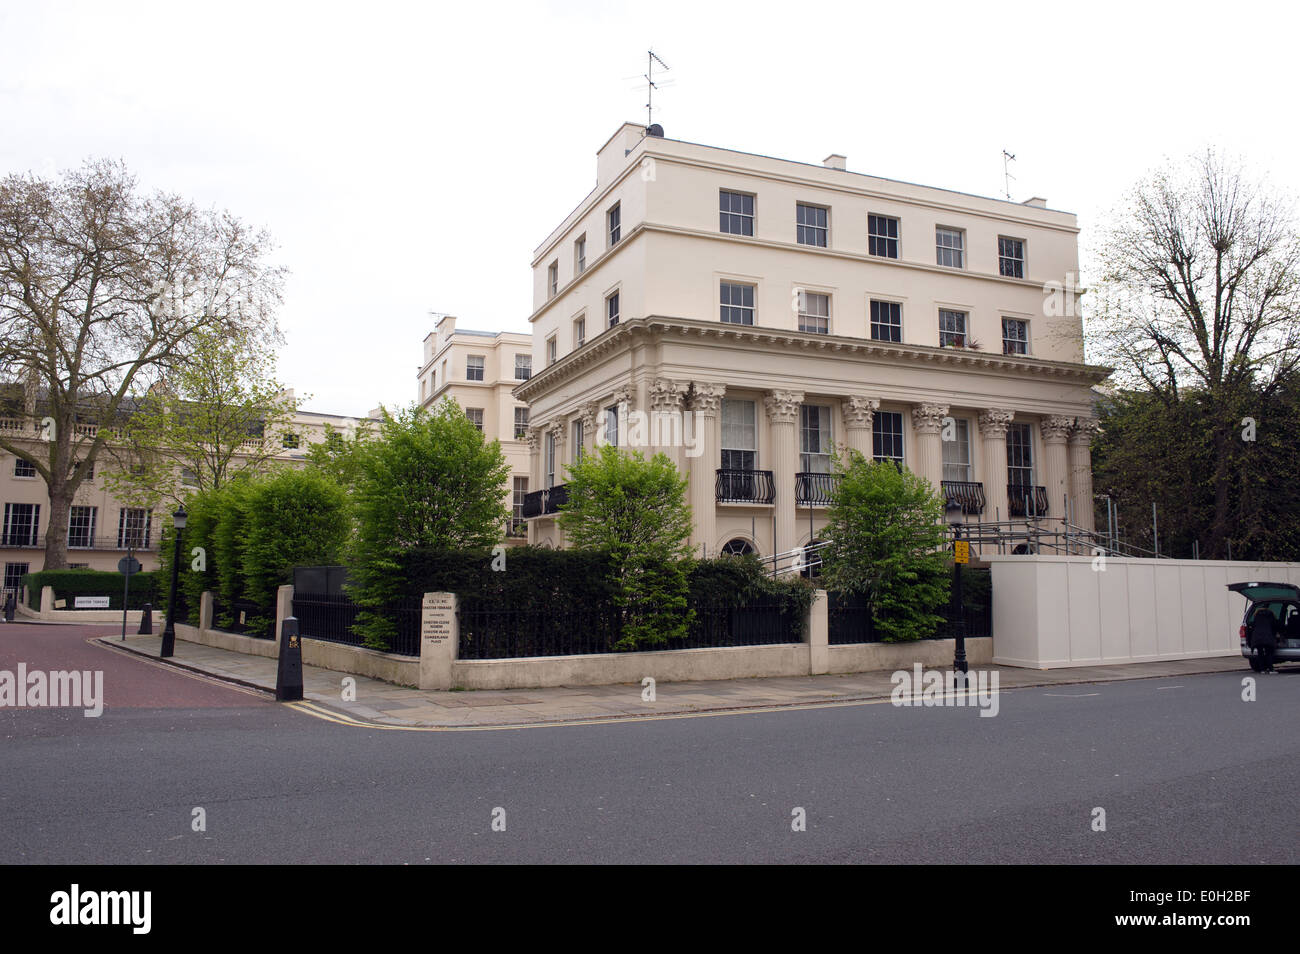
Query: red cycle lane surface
<point>130,681</point>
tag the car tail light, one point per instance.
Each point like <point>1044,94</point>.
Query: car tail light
<point>1242,634</point>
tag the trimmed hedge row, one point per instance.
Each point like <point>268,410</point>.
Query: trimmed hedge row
<point>69,584</point>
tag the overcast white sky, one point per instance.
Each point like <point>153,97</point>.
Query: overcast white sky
<point>408,157</point>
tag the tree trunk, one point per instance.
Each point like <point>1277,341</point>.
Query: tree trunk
<point>56,532</point>
<point>1219,524</point>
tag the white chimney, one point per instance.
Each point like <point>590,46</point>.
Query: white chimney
<point>835,161</point>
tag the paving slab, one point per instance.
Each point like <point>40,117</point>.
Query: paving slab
<point>386,704</point>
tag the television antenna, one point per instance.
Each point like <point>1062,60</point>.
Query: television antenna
<point>651,59</point>
<point>1006,173</point>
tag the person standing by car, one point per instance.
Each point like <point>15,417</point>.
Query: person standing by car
<point>1263,637</point>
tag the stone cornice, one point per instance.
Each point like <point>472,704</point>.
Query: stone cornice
<point>656,327</point>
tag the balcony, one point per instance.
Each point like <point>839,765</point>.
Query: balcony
<point>745,486</point>
<point>811,489</point>
<point>1024,500</point>
<point>539,503</point>
<point>969,493</point>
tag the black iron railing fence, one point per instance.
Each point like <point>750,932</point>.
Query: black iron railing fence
<point>850,620</point>
<point>332,617</point>
<point>243,617</point>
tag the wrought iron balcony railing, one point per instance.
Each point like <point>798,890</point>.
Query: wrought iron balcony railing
<point>814,489</point>
<point>542,502</point>
<point>969,493</point>
<point>1024,500</point>
<point>745,486</point>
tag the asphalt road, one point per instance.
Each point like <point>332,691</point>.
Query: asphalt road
<point>1183,769</point>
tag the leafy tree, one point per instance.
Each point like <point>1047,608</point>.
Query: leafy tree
<point>1155,451</point>
<point>103,291</point>
<point>230,503</point>
<point>635,511</point>
<point>339,456</point>
<point>886,539</point>
<point>1199,292</point>
<point>294,518</point>
<point>427,479</point>
<point>219,413</point>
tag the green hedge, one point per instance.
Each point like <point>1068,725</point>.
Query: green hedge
<point>69,584</point>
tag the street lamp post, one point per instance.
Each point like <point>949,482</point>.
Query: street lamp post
<point>953,511</point>
<point>169,631</point>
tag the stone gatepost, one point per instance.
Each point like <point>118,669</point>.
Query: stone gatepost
<point>439,638</point>
<point>818,635</point>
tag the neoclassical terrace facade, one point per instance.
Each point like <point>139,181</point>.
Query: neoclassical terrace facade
<point>779,310</point>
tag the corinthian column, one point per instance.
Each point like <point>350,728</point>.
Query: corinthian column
<point>993,433</point>
<point>1056,468</point>
<point>858,414</point>
<point>1085,428</point>
<point>704,467</point>
<point>591,418</point>
<point>783,415</point>
<point>927,422</point>
<point>667,423</point>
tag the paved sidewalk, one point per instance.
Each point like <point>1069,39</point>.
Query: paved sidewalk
<point>387,704</point>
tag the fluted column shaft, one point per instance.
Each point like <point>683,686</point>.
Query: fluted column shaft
<point>993,433</point>
<point>1081,473</point>
<point>704,468</point>
<point>1056,465</point>
<point>927,422</point>
<point>783,415</point>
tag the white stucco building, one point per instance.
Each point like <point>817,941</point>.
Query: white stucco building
<point>791,307</point>
<point>479,370</point>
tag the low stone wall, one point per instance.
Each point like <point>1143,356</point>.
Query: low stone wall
<point>235,642</point>
<point>359,661</point>
<point>931,653</point>
<point>439,668</point>
<point>600,669</point>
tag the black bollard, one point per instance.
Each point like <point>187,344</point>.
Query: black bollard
<point>11,607</point>
<point>146,620</point>
<point>288,677</point>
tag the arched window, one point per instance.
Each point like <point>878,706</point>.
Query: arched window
<point>737,547</point>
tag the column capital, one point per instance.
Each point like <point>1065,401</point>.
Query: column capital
<point>1084,431</point>
<point>557,428</point>
<point>783,406</point>
<point>533,435</point>
<point>590,415</point>
<point>623,395</point>
<point>994,421</point>
<point>667,394</point>
<point>928,418</point>
<point>857,410</point>
<point>706,398</point>
<point>1056,429</point>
